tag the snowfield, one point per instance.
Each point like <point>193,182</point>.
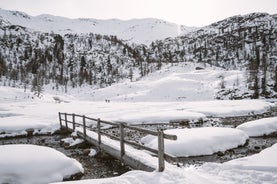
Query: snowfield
<point>199,141</point>
<point>173,83</point>
<point>20,113</point>
<point>30,164</point>
<point>260,127</point>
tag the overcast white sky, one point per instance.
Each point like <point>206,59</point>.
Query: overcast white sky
<point>186,12</point>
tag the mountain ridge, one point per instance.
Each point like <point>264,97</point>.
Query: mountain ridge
<point>132,31</point>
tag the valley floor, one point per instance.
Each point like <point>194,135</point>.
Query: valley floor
<point>19,111</point>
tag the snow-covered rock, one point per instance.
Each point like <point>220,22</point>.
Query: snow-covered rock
<point>72,142</point>
<point>199,141</point>
<point>30,164</point>
<point>259,127</point>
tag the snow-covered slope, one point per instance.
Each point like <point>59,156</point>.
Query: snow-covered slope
<point>141,31</point>
<point>179,82</point>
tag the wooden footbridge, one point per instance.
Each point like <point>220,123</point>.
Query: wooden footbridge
<point>131,153</point>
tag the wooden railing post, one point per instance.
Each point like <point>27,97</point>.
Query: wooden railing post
<point>65,119</point>
<point>73,121</point>
<point>161,150</point>
<point>84,126</point>
<point>99,132</point>
<point>60,118</point>
<point>122,146</point>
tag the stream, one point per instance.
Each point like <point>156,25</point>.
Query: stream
<point>104,166</point>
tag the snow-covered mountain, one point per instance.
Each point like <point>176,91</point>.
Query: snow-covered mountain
<point>34,55</point>
<point>244,42</point>
<point>139,31</point>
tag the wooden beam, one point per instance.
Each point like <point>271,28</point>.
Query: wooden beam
<point>84,127</point>
<point>60,118</point>
<point>161,150</point>
<point>99,132</point>
<point>73,121</point>
<point>122,146</point>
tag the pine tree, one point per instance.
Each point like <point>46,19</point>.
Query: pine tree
<point>264,80</point>
<point>37,85</point>
<point>275,79</point>
<point>3,66</point>
<point>131,73</point>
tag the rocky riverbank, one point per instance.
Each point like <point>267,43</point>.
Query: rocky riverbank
<point>102,165</point>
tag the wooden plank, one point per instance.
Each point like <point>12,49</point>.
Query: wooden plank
<point>93,119</point>
<point>109,123</point>
<point>151,132</point>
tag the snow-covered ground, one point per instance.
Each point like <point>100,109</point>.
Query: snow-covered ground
<point>30,164</point>
<point>259,127</point>
<point>199,141</point>
<point>259,168</point>
<point>18,112</point>
<point>173,83</point>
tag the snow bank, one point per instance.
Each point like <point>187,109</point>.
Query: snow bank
<point>258,168</point>
<point>263,161</point>
<point>259,127</point>
<point>142,177</point>
<point>30,164</point>
<point>199,141</point>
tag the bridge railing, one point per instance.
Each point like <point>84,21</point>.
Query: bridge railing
<point>95,125</point>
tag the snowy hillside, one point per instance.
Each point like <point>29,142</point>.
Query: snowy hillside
<point>178,82</point>
<point>140,31</point>
<point>246,42</point>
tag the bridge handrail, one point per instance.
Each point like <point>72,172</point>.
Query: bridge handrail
<point>121,125</point>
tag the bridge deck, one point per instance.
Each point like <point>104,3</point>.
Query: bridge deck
<point>136,159</point>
